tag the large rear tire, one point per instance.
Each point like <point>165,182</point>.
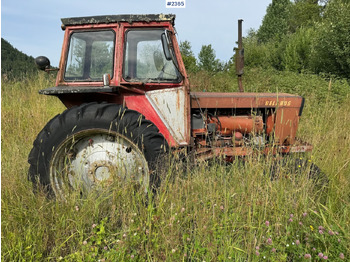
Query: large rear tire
<point>90,146</point>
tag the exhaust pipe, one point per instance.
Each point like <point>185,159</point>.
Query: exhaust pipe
<point>240,57</point>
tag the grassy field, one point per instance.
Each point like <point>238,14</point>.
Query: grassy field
<point>210,212</point>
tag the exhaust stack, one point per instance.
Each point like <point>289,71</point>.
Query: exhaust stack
<point>240,57</point>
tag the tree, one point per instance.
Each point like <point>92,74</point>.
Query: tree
<point>15,64</point>
<point>331,46</point>
<point>207,60</point>
<point>188,57</point>
<point>275,22</point>
<point>304,13</point>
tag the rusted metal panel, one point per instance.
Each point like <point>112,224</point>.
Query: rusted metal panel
<point>58,90</point>
<point>141,104</point>
<point>245,124</point>
<point>107,19</point>
<point>170,104</point>
<point>244,100</point>
<point>286,125</point>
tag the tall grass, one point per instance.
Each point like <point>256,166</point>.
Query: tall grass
<point>210,211</point>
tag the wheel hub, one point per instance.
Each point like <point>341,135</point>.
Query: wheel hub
<point>99,159</point>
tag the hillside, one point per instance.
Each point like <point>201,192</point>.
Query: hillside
<point>14,63</point>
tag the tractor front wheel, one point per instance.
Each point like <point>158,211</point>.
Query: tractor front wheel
<point>91,146</point>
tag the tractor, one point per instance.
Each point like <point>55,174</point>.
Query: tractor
<point>129,102</point>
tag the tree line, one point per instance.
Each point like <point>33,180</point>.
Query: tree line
<point>15,64</point>
<point>300,36</point>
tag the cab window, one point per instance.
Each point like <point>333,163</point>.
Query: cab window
<point>145,60</point>
<point>90,56</point>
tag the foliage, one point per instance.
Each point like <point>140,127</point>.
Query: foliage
<point>316,39</point>
<point>210,211</point>
<point>207,60</point>
<point>15,64</point>
<point>275,23</point>
<point>304,13</point>
<point>331,44</point>
<point>188,57</point>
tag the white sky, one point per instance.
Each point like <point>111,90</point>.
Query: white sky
<point>34,26</point>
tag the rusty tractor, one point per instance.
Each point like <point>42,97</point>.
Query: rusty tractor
<point>128,101</point>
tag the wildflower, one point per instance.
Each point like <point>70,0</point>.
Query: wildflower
<point>135,234</point>
<point>320,228</point>
<point>304,214</point>
<point>312,228</point>
<point>76,208</point>
<point>313,249</point>
<point>331,232</point>
<point>307,256</point>
<point>320,255</point>
<point>257,247</point>
<point>222,207</point>
<point>257,253</point>
<point>84,242</point>
<point>93,225</point>
<point>291,215</point>
<point>267,223</point>
<point>336,233</point>
<point>287,245</point>
<point>105,248</point>
<point>293,243</point>
<point>339,240</point>
<point>290,220</point>
<point>341,256</point>
<point>297,242</point>
<point>320,231</point>
<point>124,235</point>
<point>173,250</point>
<point>269,241</point>
<point>273,250</point>
<point>300,223</point>
<point>325,257</point>
<point>183,209</point>
<point>132,256</point>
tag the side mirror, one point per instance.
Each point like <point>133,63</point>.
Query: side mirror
<point>42,62</point>
<point>166,47</point>
<point>158,60</point>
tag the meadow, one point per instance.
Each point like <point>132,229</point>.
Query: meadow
<point>208,212</point>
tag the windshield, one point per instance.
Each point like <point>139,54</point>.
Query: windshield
<point>144,58</point>
<point>90,56</point>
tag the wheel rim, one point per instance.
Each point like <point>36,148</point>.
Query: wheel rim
<point>94,160</point>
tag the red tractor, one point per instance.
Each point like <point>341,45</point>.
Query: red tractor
<point>128,101</point>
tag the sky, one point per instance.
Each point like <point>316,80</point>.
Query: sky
<point>34,26</point>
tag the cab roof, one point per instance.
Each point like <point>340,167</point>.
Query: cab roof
<point>106,19</point>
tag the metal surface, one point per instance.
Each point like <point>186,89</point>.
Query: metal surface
<point>170,105</point>
<point>95,159</point>
<point>107,19</point>
<point>58,90</point>
<point>240,57</point>
<point>244,124</point>
<point>244,100</point>
<point>141,104</point>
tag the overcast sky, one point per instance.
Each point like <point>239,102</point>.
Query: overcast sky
<point>34,26</point>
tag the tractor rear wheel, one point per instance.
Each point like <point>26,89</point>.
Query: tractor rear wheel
<point>91,146</point>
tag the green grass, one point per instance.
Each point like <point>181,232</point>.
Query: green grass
<point>211,212</point>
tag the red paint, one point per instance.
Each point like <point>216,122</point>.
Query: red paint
<point>142,105</point>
